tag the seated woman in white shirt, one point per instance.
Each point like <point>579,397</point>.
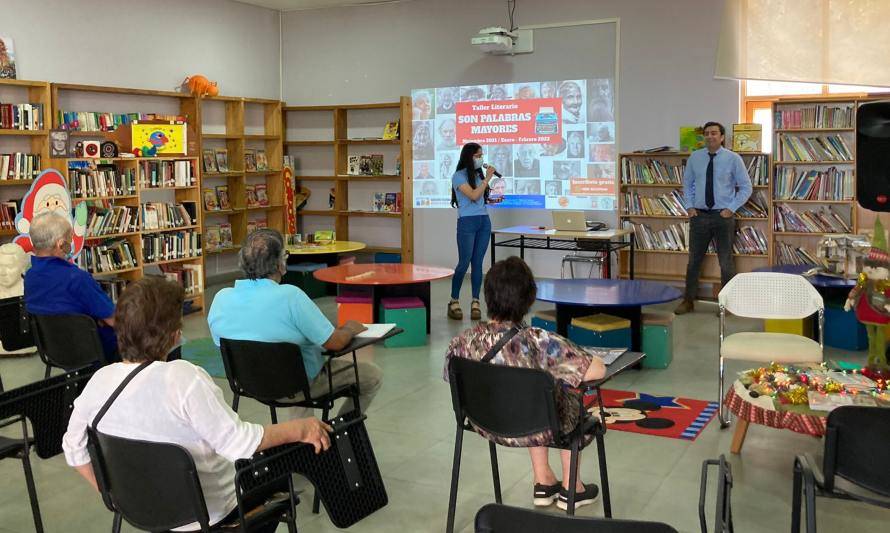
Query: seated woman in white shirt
<point>175,402</point>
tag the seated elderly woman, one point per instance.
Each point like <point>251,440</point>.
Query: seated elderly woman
<point>56,286</point>
<point>510,291</point>
<point>173,402</point>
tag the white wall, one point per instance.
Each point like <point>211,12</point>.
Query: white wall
<point>377,53</point>
<point>146,45</point>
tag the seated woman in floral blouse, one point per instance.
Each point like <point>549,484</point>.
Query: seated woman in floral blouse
<point>509,293</point>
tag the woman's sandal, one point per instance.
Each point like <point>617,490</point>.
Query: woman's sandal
<point>475,311</point>
<point>454,310</point>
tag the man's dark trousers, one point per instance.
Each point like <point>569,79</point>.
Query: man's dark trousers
<point>707,225</point>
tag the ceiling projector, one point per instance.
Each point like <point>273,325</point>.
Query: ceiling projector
<point>494,40</point>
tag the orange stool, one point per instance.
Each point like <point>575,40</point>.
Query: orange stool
<point>358,307</point>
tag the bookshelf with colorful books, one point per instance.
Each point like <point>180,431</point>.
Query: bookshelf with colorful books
<point>242,154</point>
<point>24,144</point>
<point>143,214</point>
<point>651,204</point>
<point>329,145</point>
<point>814,188</point>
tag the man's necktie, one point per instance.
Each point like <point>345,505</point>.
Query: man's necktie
<point>709,183</point>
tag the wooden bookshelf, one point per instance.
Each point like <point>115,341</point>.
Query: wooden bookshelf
<point>338,123</point>
<point>670,265</point>
<point>23,141</point>
<point>241,124</point>
<point>67,97</point>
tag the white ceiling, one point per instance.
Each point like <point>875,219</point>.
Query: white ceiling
<point>296,5</point>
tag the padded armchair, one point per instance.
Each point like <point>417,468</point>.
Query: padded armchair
<point>154,486</point>
<point>513,402</point>
<point>67,341</point>
<point>854,466</point>
<point>767,295</point>
<point>495,518</point>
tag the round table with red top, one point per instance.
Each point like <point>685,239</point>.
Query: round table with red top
<point>387,280</point>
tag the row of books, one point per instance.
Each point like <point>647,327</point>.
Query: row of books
<point>21,116</point>
<point>178,173</point>
<point>170,246</point>
<point>821,220</point>
<point>756,206</point>
<point>815,116</point>
<point>160,215</point>
<point>8,212</point>
<point>111,220</point>
<point>651,171</point>
<point>218,160</point>
<point>787,254</point>
<point>217,236</point>
<point>103,180</point>
<point>257,195</point>
<point>108,256</point>
<point>365,165</point>
<point>95,121</point>
<point>217,199</point>
<point>19,166</point>
<point>748,240</point>
<point>190,276</point>
<point>758,170</point>
<point>255,224</point>
<point>113,287</point>
<point>387,202</point>
<point>830,184</point>
<point>667,204</point>
<point>813,148</point>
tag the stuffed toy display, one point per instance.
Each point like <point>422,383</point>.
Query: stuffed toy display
<point>871,297</point>
<point>199,85</point>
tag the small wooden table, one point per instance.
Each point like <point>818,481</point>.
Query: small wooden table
<point>387,280</point>
<point>538,238</point>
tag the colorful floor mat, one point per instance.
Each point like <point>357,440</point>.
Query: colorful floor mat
<point>203,353</point>
<point>664,416</point>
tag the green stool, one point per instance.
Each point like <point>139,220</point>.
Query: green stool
<point>658,339</point>
<point>407,313</point>
<point>302,276</point>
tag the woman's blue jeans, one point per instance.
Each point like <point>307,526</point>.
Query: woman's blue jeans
<point>473,234</point>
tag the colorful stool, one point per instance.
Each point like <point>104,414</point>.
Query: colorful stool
<point>347,260</point>
<point>842,330</point>
<point>384,257</point>
<point>355,305</point>
<point>545,320</point>
<point>407,313</point>
<point>601,330</point>
<point>301,276</point>
<point>795,326</point>
<point>658,339</point>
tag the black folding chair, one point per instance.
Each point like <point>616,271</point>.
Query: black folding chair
<point>67,341</point>
<point>495,518</point>
<point>854,466</point>
<point>513,402</point>
<point>47,405</point>
<point>273,374</point>
<point>15,327</point>
<point>154,486</point>
<point>723,517</point>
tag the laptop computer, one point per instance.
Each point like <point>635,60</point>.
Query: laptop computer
<point>569,220</point>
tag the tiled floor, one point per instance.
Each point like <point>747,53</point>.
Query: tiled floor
<point>412,428</point>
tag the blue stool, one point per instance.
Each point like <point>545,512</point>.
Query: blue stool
<point>842,330</point>
<point>545,320</point>
<point>384,257</point>
<point>601,330</point>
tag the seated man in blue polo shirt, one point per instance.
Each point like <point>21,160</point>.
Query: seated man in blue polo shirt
<point>56,286</point>
<point>260,308</point>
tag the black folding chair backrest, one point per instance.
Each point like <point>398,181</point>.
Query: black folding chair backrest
<point>502,400</point>
<point>265,371</point>
<point>67,341</point>
<point>153,485</point>
<point>495,518</point>
<point>856,443</point>
<point>15,330</point>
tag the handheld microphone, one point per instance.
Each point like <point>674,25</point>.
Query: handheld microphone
<point>487,166</point>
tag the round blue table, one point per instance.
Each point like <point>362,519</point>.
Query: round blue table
<point>618,297</point>
<point>819,281</point>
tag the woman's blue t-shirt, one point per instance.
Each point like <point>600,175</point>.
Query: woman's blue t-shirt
<point>465,206</point>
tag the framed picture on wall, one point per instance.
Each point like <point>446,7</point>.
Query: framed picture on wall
<point>7,58</point>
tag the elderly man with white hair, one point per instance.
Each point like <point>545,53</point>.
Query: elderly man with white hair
<point>56,286</point>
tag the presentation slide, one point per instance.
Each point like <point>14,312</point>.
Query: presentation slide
<point>552,141</point>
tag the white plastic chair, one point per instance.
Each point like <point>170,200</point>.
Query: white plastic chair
<point>768,295</point>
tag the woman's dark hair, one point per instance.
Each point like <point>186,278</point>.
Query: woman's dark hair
<point>465,162</point>
<point>147,315</point>
<point>510,290</point>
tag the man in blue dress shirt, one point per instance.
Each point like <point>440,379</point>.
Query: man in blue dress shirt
<point>715,185</point>
<point>56,286</point>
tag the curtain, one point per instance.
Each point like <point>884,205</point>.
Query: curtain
<point>818,41</point>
